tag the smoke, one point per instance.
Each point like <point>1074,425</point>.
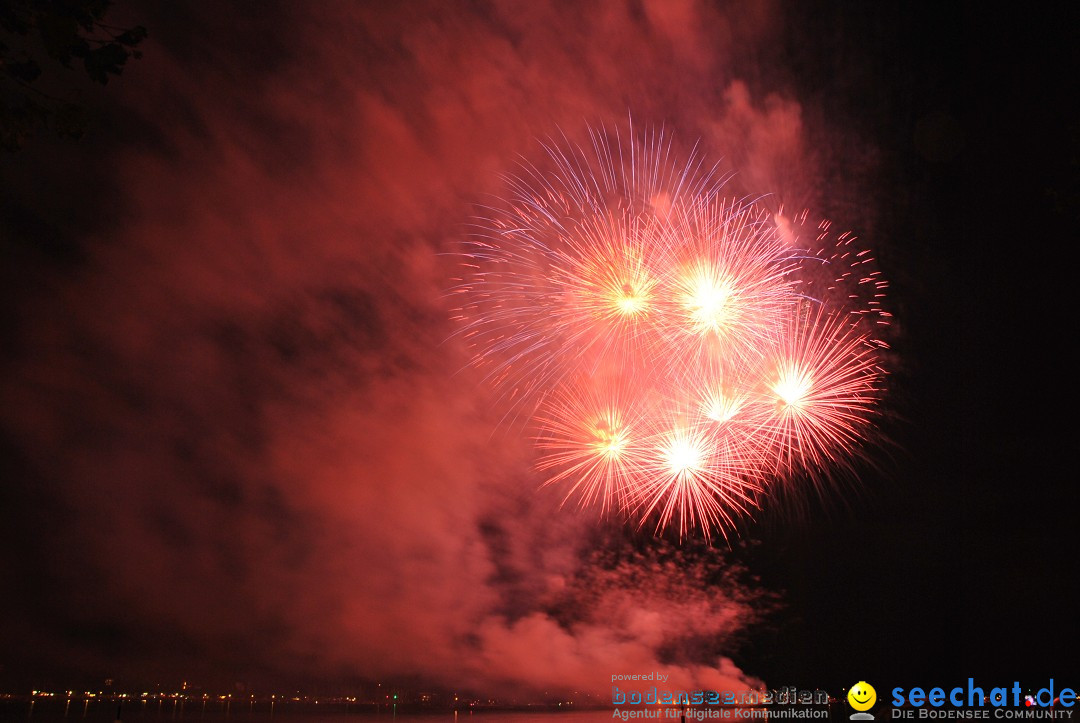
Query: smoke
<point>242,426</point>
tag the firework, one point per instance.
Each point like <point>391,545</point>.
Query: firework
<point>681,353</point>
<point>820,388</point>
<point>593,439</point>
<point>698,473</point>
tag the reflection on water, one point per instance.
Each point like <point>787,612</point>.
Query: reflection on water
<point>103,711</point>
<point>79,710</point>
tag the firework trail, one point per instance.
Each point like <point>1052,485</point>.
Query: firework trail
<point>681,353</point>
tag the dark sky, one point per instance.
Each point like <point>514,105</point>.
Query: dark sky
<point>962,559</point>
<point>241,443</point>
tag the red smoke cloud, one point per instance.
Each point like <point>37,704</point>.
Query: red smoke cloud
<point>246,405</point>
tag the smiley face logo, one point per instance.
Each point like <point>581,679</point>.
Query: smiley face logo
<point>862,696</point>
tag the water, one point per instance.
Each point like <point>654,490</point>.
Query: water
<point>80,710</point>
<point>56,710</point>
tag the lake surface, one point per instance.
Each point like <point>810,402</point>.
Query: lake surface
<point>135,712</point>
<point>79,710</point>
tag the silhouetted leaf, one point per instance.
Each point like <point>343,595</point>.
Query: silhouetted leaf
<point>108,59</point>
<point>27,71</point>
<point>61,30</point>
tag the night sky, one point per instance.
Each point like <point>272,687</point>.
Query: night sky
<point>241,441</point>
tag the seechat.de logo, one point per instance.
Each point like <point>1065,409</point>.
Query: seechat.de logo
<point>862,697</point>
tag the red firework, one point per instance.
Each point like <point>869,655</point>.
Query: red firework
<point>681,353</point>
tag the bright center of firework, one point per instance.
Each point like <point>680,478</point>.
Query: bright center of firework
<point>792,386</point>
<point>683,455</point>
<point>609,441</point>
<point>630,302</point>
<point>709,300</point>
<point>720,407</point>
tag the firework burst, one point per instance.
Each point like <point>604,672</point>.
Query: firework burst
<point>821,386</point>
<point>697,473</point>
<point>681,353</point>
<point>592,439</point>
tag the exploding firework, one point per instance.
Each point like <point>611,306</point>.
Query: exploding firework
<point>681,353</point>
